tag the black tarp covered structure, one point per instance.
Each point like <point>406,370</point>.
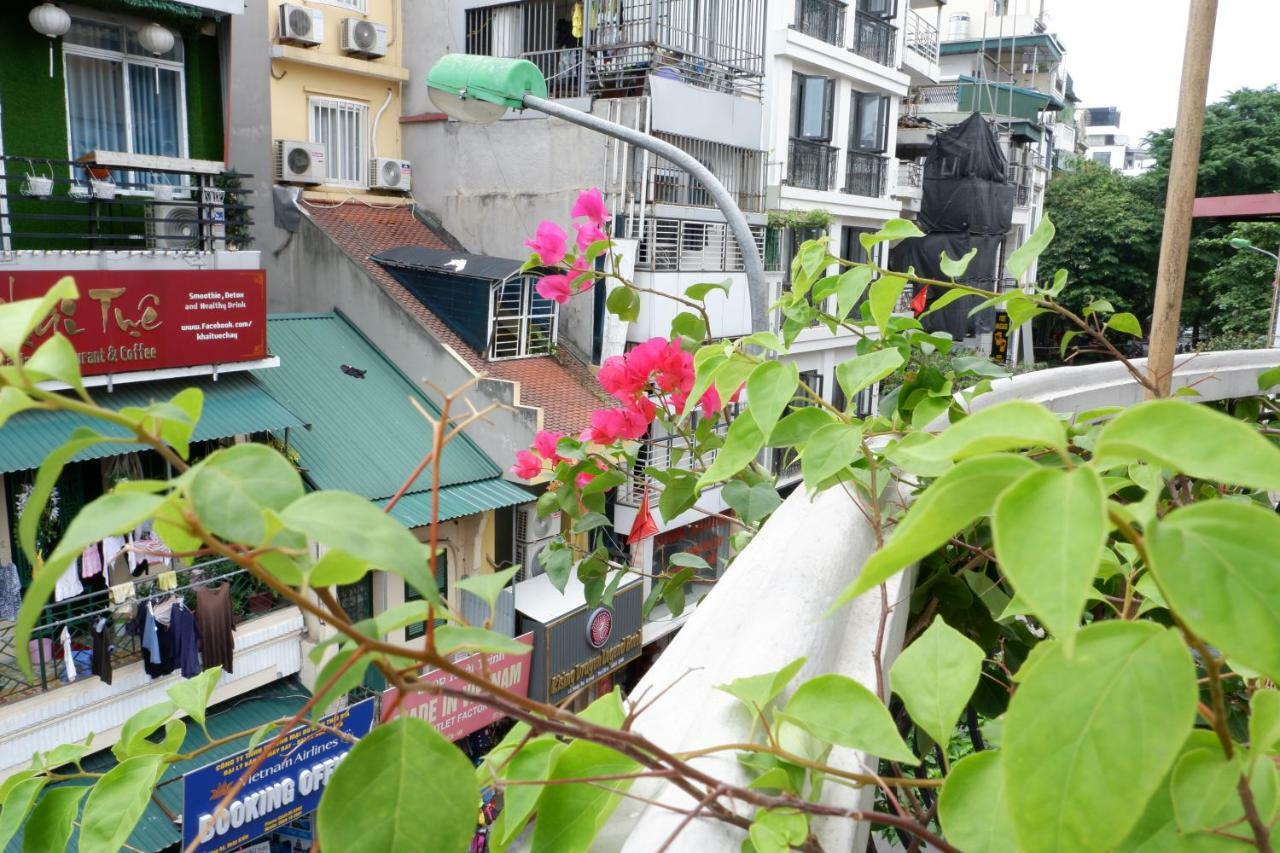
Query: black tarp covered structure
<point>967,204</point>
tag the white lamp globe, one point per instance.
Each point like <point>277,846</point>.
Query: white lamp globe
<point>49,20</point>
<point>155,39</point>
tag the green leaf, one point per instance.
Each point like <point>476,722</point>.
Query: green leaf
<point>850,286</point>
<point>741,444</point>
<point>785,827</point>
<point>532,762</point>
<point>956,269</point>
<point>21,797</point>
<point>140,726</point>
<point>1013,425</point>
<point>1025,255</point>
<point>192,695</point>
<point>797,427</point>
<point>1059,284</point>
<point>829,451</point>
<point>680,493</point>
<point>624,303</point>
<point>951,503</point>
<point>1021,310</point>
<point>415,778</point>
<point>1050,528</point>
<point>884,298</point>
<point>1267,380</point>
<point>1125,322</point>
<point>556,560</point>
<point>1066,340</point>
<point>1203,780</point>
<point>1264,721</point>
<point>839,710</point>
<point>894,229</point>
<point>451,638</point>
<point>46,476</point>
<point>951,295</point>
<point>866,370</point>
<point>336,567</point>
<point>699,291</point>
<point>972,807</point>
<point>689,325</point>
<point>752,503</point>
<point>235,484</point>
<point>50,825</point>
<point>980,365</point>
<point>353,524</point>
<point>488,586</point>
<point>20,318</point>
<point>106,516</point>
<point>56,358</point>
<point>757,691</point>
<point>66,753</point>
<point>1127,696</point>
<point>117,801</point>
<point>13,401</point>
<point>1219,567</point>
<point>1173,435</point>
<point>935,676</point>
<point>1098,306</point>
<point>570,814</point>
<point>770,387</point>
<point>591,521</point>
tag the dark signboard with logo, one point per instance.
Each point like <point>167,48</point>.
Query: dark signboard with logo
<point>128,320</point>
<point>583,645</point>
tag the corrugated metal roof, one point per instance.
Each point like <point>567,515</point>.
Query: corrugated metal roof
<point>155,830</point>
<point>414,509</point>
<point>236,403</point>
<point>365,435</point>
<point>458,264</point>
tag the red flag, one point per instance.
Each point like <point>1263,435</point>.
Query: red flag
<point>644,526</point>
<point>918,302</point>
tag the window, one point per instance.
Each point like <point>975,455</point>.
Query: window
<point>343,126</point>
<point>812,105</point>
<point>999,7</point>
<point>885,9</point>
<point>121,98</point>
<point>360,6</point>
<point>417,629</point>
<point>522,323</point>
<point>868,122</point>
<point>1103,157</point>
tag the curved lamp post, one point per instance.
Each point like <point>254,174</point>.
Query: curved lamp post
<point>483,88</point>
<point>1244,245</point>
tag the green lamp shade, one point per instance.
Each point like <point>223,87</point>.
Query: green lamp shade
<point>482,88</point>
<point>1240,243</point>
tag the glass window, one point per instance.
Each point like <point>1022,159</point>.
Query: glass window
<point>811,106</point>
<point>417,629</point>
<point>522,322</point>
<point>878,8</point>
<point>343,127</point>
<point>868,124</point>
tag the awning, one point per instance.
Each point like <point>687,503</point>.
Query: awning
<point>538,599</point>
<point>414,509</point>
<point>234,404</point>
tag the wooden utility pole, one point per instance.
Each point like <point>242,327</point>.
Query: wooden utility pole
<point>1185,162</point>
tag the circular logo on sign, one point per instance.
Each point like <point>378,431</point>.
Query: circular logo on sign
<point>599,627</point>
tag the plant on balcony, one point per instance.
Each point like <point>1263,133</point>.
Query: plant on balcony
<point>815,218</point>
<point>1096,627</point>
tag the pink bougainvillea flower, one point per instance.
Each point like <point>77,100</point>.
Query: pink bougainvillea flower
<point>549,242</point>
<point>590,206</point>
<point>545,444</point>
<point>554,287</point>
<point>586,477</point>
<point>588,233</point>
<point>528,466</point>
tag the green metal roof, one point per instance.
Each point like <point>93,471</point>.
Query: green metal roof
<point>235,403</point>
<point>414,509</point>
<point>156,830</point>
<point>365,435</point>
<point>1044,40</point>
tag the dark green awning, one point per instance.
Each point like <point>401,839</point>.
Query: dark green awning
<point>414,509</point>
<point>236,403</point>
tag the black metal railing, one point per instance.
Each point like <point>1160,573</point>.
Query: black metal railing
<point>250,597</point>
<point>873,38</point>
<point>822,19</point>
<point>63,204</point>
<point>1022,196</point>
<point>864,174</point>
<point>910,173</point>
<point>564,69</point>
<point>811,165</point>
<point>922,36</point>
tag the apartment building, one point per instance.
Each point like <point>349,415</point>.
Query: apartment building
<point>1111,147</point>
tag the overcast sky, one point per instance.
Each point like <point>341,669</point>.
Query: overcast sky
<point>1128,53</point>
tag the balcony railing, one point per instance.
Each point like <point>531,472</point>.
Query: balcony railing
<point>864,174</point>
<point>941,98</point>
<point>922,36</point>
<point>249,598</point>
<point>1022,196</point>
<point>741,170</point>
<point>61,204</point>
<point>873,38</point>
<point>910,174</point>
<point>669,451</point>
<point>565,71</point>
<point>822,19</point>
<point>679,245</point>
<point>811,165</point>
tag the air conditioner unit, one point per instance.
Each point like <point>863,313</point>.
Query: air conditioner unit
<point>532,535</point>
<point>176,227</point>
<point>386,173</point>
<point>301,26</point>
<point>301,162</point>
<point>364,38</point>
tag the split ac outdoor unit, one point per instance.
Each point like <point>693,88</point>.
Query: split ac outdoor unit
<point>301,26</point>
<point>364,38</point>
<point>177,227</point>
<point>301,162</point>
<point>386,173</point>
<point>532,535</point>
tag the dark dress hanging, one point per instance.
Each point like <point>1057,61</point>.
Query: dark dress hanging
<point>101,665</point>
<point>184,637</point>
<point>213,615</point>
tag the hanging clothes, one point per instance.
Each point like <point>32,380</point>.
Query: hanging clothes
<point>112,546</point>
<point>68,657</point>
<point>184,641</point>
<point>122,592</point>
<point>10,591</point>
<point>167,581</point>
<point>91,561</point>
<point>150,636</point>
<point>213,615</point>
<point>101,665</point>
<point>68,586</point>
<point>162,609</point>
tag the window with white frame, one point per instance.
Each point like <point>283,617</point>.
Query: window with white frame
<point>521,323</point>
<point>343,127</point>
<point>119,96</point>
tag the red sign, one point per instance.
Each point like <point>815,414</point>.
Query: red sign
<point>455,717</point>
<point>600,627</point>
<point>129,320</point>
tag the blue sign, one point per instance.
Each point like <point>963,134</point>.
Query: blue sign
<point>286,786</point>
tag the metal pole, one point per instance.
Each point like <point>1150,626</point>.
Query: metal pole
<point>1273,326</point>
<point>757,288</point>
<point>1174,242</point>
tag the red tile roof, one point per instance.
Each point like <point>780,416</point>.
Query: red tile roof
<point>565,389</point>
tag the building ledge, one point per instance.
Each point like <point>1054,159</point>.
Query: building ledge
<point>843,61</point>
<point>345,64</point>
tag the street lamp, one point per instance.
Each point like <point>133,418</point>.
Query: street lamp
<point>483,88</point>
<point>1242,244</point>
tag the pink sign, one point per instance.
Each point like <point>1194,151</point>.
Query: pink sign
<point>455,717</point>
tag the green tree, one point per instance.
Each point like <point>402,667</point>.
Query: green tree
<point>1238,288</point>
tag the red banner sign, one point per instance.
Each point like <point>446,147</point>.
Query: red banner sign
<point>129,320</point>
<point>454,717</point>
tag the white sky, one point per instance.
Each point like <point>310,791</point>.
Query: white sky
<point>1128,53</point>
